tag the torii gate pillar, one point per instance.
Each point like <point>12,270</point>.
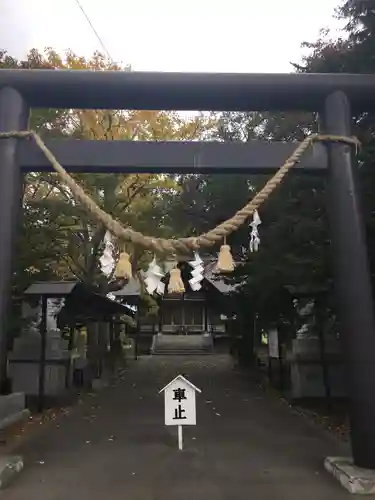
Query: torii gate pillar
<point>352,282</point>
<point>13,116</point>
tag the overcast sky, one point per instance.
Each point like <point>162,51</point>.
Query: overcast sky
<point>171,35</point>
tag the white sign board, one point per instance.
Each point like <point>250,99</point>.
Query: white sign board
<point>179,404</point>
<point>273,343</point>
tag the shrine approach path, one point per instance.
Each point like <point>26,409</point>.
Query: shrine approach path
<point>114,445</point>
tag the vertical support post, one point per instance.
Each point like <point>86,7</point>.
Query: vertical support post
<point>183,314</point>
<point>42,359</point>
<point>69,362</point>
<point>13,116</point>
<point>71,338</point>
<point>138,330</point>
<point>180,441</point>
<point>280,351</point>
<point>352,282</point>
<point>160,316</point>
<point>111,332</point>
<point>205,314</point>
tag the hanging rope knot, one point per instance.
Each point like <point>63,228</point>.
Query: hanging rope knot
<point>350,141</point>
<point>124,267</point>
<point>180,245</point>
<point>175,285</point>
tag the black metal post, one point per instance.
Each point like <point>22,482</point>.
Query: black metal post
<point>13,116</point>
<point>352,282</point>
<point>42,359</point>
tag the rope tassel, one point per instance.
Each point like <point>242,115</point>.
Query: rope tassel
<point>175,285</point>
<point>124,267</point>
<point>225,263</point>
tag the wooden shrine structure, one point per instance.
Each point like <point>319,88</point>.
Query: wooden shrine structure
<point>190,313</point>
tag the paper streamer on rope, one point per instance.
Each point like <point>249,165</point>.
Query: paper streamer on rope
<point>107,261</point>
<point>254,235</point>
<point>196,273</point>
<point>154,275</point>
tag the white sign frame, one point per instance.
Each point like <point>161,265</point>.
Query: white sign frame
<point>180,404</point>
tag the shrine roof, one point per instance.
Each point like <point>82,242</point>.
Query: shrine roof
<point>217,280</point>
<point>51,288</point>
<point>131,289</point>
<point>80,297</point>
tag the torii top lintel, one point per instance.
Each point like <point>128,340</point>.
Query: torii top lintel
<point>186,91</point>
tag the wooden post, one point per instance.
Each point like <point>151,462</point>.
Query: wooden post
<point>352,282</point>
<point>180,440</point>
<point>14,115</point>
<point>42,358</point>
<point>138,330</point>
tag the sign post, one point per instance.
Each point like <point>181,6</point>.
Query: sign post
<point>179,404</point>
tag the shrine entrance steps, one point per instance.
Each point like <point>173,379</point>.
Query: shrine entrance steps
<point>193,344</point>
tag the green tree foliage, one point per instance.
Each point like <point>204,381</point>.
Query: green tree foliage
<point>295,239</point>
<point>59,240</point>
<point>294,232</point>
<point>353,53</point>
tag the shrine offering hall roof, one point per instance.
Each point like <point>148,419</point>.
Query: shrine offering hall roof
<point>80,296</point>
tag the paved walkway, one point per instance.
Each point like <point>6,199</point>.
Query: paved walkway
<point>115,446</point>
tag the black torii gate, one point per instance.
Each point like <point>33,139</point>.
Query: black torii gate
<point>334,96</point>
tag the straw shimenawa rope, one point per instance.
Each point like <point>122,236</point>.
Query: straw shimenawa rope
<point>180,245</point>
